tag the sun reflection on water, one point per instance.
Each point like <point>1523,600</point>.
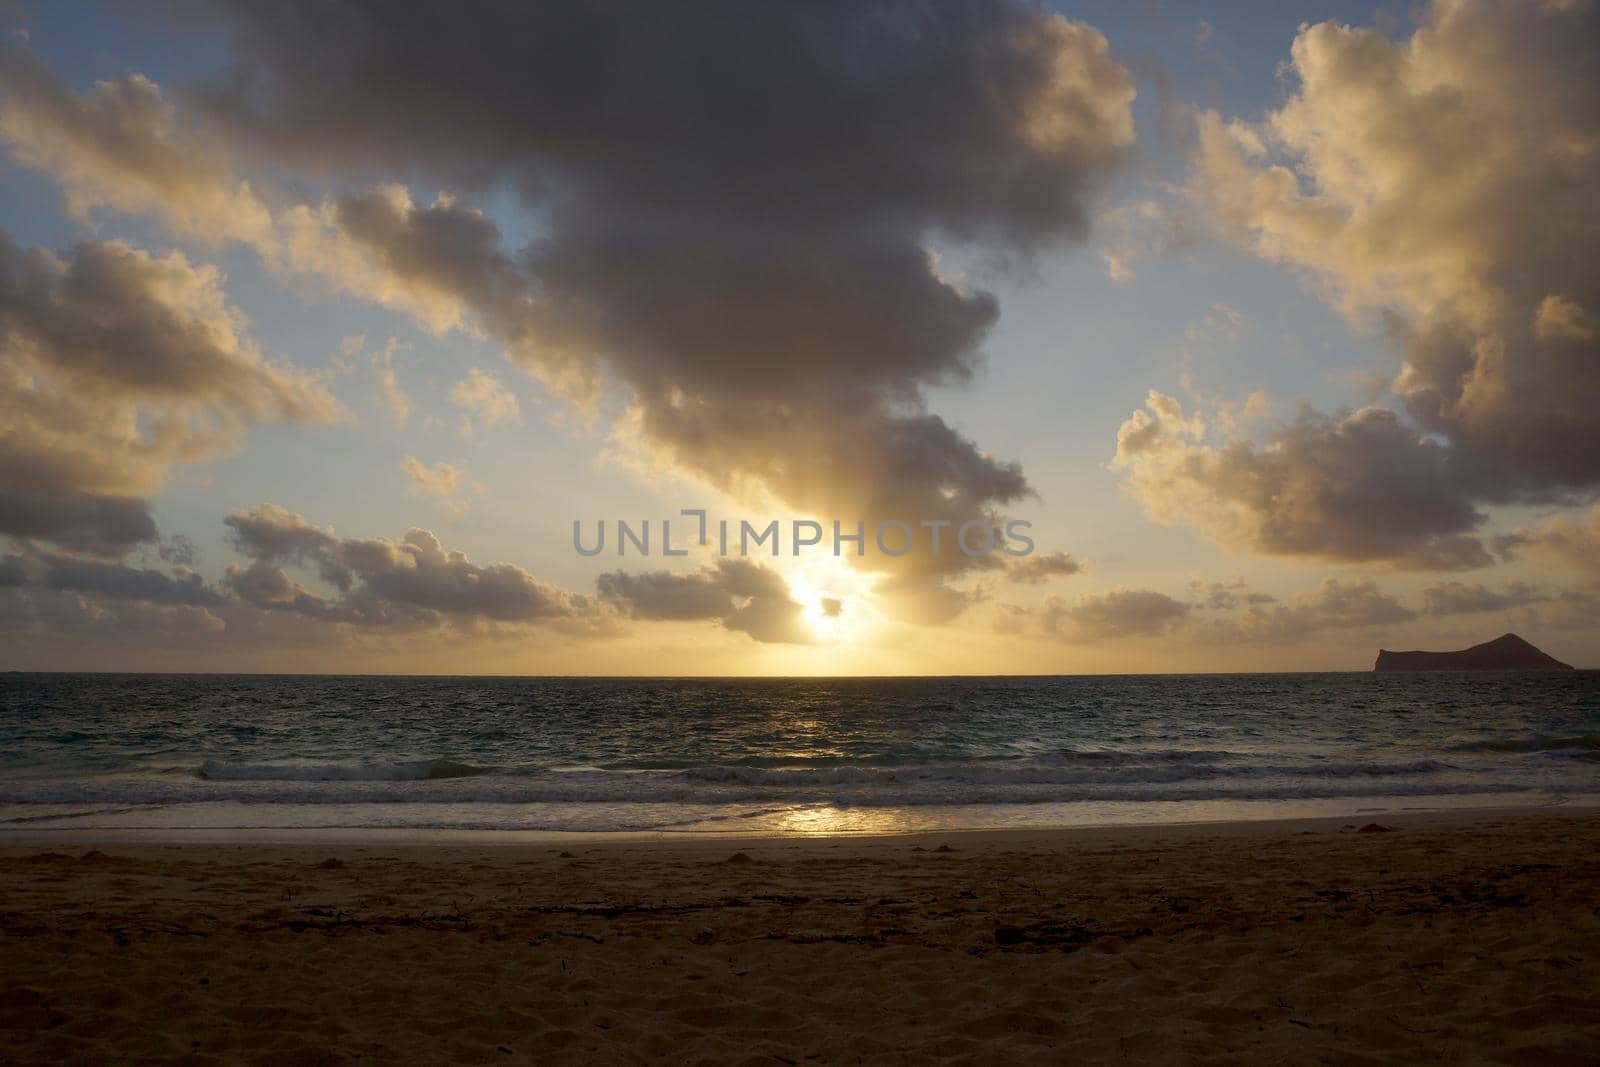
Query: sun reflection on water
<point>826,820</point>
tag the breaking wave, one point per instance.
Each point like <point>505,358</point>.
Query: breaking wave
<point>423,770</point>
<point>1134,777</point>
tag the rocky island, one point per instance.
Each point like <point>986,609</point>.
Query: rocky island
<point>1507,653</point>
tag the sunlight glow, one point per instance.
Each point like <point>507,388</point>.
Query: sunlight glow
<point>837,598</point>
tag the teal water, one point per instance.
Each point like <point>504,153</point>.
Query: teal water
<point>780,755</point>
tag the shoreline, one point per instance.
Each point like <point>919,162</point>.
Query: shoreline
<point>14,837</point>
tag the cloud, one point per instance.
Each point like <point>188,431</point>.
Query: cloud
<point>121,145</point>
<point>483,395</point>
<point>912,597</point>
<point>83,522</point>
<point>442,479</point>
<point>444,482</point>
<point>1140,230</point>
<point>1361,486</point>
<point>1577,609</point>
<point>47,595</point>
<point>743,595</point>
<point>117,582</point>
<point>118,365</point>
<point>1445,181</point>
<point>418,571</point>
<point>413,582</point>
<point>394,399</point>
<point>33,617</point>
<point>773,322</point>
<point>1122,612</point>
<point>1220,324</point>
<point>1458,598</point>
<point>178,550</point>
<point>264,585</point>
<point>668,596</point>
<point>1227,594</point>
<point>1334,605</point>
<point>271,532</point>
<point>1219,612</point>
<point>442,261</point>
<point>1560,541</point>
<point>1033,570</point>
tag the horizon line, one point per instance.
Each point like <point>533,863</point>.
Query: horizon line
<point>776,677</point>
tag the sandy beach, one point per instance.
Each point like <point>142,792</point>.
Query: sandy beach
<point>1463,938</point>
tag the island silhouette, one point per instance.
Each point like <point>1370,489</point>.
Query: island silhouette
<point>1505,653</point>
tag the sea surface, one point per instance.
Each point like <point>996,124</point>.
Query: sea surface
<point>780,756</point>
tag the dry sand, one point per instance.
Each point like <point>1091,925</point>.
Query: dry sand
<point>1471,939</point>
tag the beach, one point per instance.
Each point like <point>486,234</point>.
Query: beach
<point>1471,936</point>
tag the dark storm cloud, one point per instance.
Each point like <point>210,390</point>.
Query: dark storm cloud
<point>735,205</point>
<point>984,116</point>
<point>744,596</point>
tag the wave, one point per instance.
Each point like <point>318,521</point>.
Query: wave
<point>1582,745</point>
<point>1116,768</point>
<point>422,770</point>
<point>1095,756</point>
<point>141,794</point>
<point>446,782</point>
<point>1048,773</point>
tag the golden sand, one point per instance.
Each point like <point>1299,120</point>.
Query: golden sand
<point>1474,938</point>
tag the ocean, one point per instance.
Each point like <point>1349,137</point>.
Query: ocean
<point>779,756</point>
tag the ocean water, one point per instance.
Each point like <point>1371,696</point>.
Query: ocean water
<point>775,756</point>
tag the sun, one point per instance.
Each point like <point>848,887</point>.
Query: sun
<point>835,598</point>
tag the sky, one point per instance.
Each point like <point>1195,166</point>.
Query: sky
<point>323,327</point>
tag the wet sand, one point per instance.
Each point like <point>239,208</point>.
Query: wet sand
<point>1465,938</point>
